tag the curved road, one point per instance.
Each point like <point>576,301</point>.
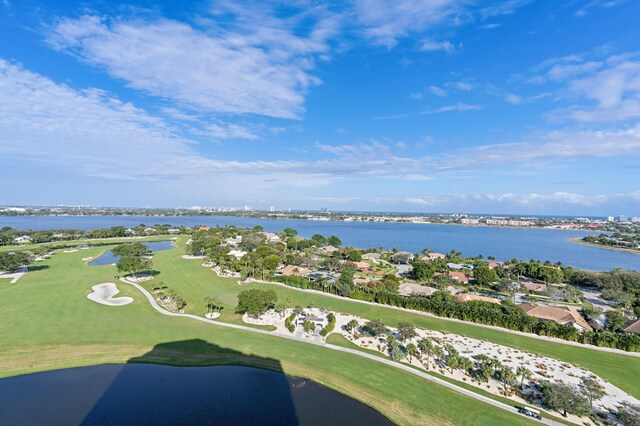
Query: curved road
<point>406,368</point>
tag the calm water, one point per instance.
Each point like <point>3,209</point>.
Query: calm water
<point>502,243</point>
<point>108,258</point>
<point>141,394</point>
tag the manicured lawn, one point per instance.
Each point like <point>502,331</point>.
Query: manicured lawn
<point>193,283</point>
<point>46,322</point>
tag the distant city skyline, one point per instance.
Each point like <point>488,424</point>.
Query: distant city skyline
<point>517,107</point>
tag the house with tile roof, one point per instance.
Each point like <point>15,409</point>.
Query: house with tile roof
<point>559,314</point>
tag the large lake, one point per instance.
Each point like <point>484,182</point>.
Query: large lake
<point>142,394</point>
<point>502,243</point>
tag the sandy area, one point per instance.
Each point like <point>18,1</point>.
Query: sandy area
<point>212,315</point>
<point>70,251</point>
<point>190,256</point>
<point>87,258</point>
<point>14,276</point>
<point>543,368</point>
<point>103,294</point>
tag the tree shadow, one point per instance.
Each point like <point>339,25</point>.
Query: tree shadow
<point>32,268</point>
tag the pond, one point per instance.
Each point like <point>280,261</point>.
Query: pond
<point>108,258</point>
<point>153,394</point>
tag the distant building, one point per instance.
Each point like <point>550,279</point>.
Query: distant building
<point>622,218</point>
<point>238,254</point>
<point>610,219</point>
<point>635,219</point>
<point>371,256</point>
<point>537,288</point>
<point>432,256</point>
<point>24,239</point>
<point>329,249</point>
<point>469,221</point>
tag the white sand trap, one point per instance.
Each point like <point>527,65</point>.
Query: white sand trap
<point>14,276</point>
<point>103,294</point>
<point>212,315</point>
<point>87,258</point>
<point>70,251</point>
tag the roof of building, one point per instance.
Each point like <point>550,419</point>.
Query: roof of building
<point>371,256</point>
<point>557,314</point>
<point>458,276</point>
<point>329,249</point>
<point>290,270</point>
<point>632,326</point>
<point>361,265</point>
<point>405,289</point>
<point>468,297</point>
<point>431,256</point>
<point>531,286</point>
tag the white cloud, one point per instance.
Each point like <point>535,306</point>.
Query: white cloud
<point>434,46</point>
<point>464,86</point>
<point>262,67</point>
<point>385,21</point>
<point>459,107</point>
<point>438,91</point>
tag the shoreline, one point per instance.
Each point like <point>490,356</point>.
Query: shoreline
<point>601,246</point>
<point>318,220</point>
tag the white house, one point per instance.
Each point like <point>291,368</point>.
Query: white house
<point>238,254</point>
<point>24,239</point>
<point>234,241</point>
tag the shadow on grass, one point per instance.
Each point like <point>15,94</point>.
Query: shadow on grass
<point>144,391</point>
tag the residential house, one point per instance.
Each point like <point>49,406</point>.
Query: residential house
<point>238,254</point>
<point>371,256</point>
<point>361,265</point>
<point>329,249</point>
<point>293,270</point>
<point>452,265</point>
<point>535,287</point>
<point>494,265</point>
<point>402,257</point>
<point>233,241</point>
<point>468,297</point>
<point>558,314</point>
<point>632,326</point>
<point>406,289</point>
<point>203,228</point>
<point>24,239</point>
<point>432,256</point>
<point>173,231</point>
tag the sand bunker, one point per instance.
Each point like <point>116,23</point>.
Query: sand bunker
<point>103,294</point>
<point>70,251</point>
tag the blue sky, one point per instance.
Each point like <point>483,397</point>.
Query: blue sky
<point>434,106</point>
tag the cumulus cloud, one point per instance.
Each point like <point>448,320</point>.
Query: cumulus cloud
<point>261,67</point>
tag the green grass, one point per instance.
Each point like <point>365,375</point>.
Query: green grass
<point>22,247</point>
<point>46,322</point>
<point>194,283</point>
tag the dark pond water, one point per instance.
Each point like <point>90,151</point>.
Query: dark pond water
<point>108,258</point>
<point>142,394</point>
<point>502,243</point>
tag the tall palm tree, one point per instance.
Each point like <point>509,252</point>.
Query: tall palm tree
<point>524,373</point>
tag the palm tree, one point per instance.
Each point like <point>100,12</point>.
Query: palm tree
<point>426,349</point>
<point>524,373</point>
<point>412,350</point>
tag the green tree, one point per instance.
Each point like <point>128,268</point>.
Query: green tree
<point>484,275</point>
<point>615,320</point>
<point>629,414</point>
<point>412,351</point>
<point>564,399</point>
<point>11,261</point>
<point>407,330</point>
<point>427,350</point>
<point>375,328</point>
<point>255,302</point>
<point>308,326</point>
<point>524,373</point>
<point>592,389</point>
<point>133,264</point>
<point>507,377</point>
<point>290,232</point>
<point>352,325</point>
<point>345,283</point>
<point>319,239</point>
<point>334,241</point>
<point>258,228</point>
<point>131,249</point>
<point>397,351</point>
